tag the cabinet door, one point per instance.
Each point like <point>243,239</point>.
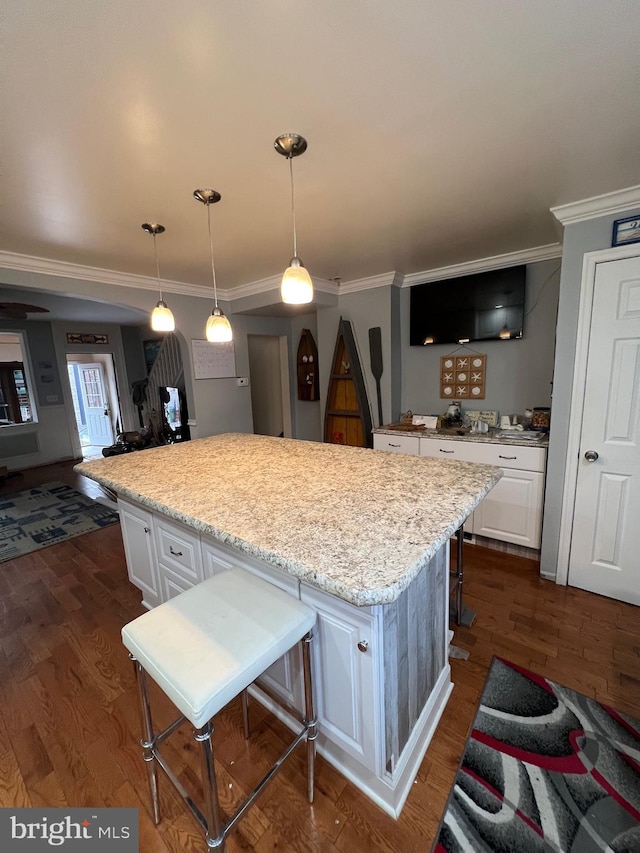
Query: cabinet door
<point>345,654</point>
<point>512,511</point>
<point>284,677</point>
<point>172,583</point>
<point>140,551</point>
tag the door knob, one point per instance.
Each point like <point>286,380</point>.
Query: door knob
<point>591,455</point>
<point>363,645</point>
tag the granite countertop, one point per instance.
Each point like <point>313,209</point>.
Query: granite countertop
<point>357,523</point>
<point>492,437</point>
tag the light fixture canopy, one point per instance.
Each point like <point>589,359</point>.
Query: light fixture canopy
<point>218,329</point>
<point>162,319</point>
<point>296,287</point>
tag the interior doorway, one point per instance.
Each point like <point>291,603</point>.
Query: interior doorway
<point>269,375</point>
<point>95,401</point>
<point>600,540</point>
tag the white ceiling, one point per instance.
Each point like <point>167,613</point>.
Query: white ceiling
<point>438,131</point>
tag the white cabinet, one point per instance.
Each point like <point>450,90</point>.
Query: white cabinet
<point>512,511</point>
<point>408,444</point>
<point>345,657</point>
<point>140,551</point>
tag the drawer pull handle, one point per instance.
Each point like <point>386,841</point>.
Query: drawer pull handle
<point>506,457</point>
<point>446,451</point>
<point>147,530</point>
<point>174,553</point>
<point>363,645</point>
<point>392,445</point>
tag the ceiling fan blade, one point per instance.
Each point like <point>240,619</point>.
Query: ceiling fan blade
<point>19,310</point>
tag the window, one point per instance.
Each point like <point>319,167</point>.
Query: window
<point>16,398</point>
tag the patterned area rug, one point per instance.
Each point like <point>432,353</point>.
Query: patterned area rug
<point>544,769</point>
<point>45,515</point>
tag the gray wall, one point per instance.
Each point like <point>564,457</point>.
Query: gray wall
<point>519,372</point>
<point>579,238</point>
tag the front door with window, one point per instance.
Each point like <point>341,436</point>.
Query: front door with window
<point>96,404</point>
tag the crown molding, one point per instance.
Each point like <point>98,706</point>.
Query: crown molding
<point>600,205</point>
<point>385,279</point>
<point>62,269</point>
<point>48,267</point>
<point>527,256</point>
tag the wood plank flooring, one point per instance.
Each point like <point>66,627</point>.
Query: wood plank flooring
<point>69,716</point>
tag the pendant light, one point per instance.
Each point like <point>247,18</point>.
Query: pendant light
<point>218,329</point>
<point>161,316</point>
<point>296,287</point>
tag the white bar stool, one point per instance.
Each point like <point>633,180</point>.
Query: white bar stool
<point>203,648</point>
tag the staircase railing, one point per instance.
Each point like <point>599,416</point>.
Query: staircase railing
<point>167,370</point>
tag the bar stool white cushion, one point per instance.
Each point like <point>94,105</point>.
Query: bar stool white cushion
<point>208,644</point>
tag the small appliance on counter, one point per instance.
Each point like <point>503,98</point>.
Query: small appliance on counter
<point>452,418</point>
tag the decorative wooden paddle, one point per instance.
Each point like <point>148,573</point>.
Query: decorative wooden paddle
<point>375,349</point>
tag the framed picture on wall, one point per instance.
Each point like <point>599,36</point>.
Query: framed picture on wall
<point>151,350</point>
<point>626,231</point>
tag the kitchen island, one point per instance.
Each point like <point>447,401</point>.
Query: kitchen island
<point>361,536</point>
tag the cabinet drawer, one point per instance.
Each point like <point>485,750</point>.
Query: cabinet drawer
<point>501,455</point>
<point>409,444</point>
<point>179,550</point>
<point>508,456</point>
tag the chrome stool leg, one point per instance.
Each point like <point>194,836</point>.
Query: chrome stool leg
<point>148,738</point>
<point>310,717</point>
<point>245,713</point>
<point>215,830</point>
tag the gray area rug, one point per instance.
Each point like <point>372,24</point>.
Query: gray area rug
<point>545,770</point>
<point>45,515</point>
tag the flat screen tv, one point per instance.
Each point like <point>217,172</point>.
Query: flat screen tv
<point>481,307</point>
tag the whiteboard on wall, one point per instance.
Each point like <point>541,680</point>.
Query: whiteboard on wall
<point>213,361</point>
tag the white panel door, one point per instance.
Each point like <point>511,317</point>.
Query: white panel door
<point>96,403</point>
<point>605,541</point>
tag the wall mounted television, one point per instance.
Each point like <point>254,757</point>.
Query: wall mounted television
<point>481,307</point>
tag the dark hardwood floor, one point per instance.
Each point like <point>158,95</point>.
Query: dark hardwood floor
<point>69,717</point>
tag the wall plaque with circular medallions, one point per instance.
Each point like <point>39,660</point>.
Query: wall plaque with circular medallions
<point>462,377</point>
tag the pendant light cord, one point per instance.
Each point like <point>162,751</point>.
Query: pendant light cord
<point>213,269</point>
<point>293,209</point>
<point>155,252</point>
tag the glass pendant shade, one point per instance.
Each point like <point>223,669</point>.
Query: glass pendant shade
<point>218,329</point>
<point>296,287</point>
<point>162,318</point>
